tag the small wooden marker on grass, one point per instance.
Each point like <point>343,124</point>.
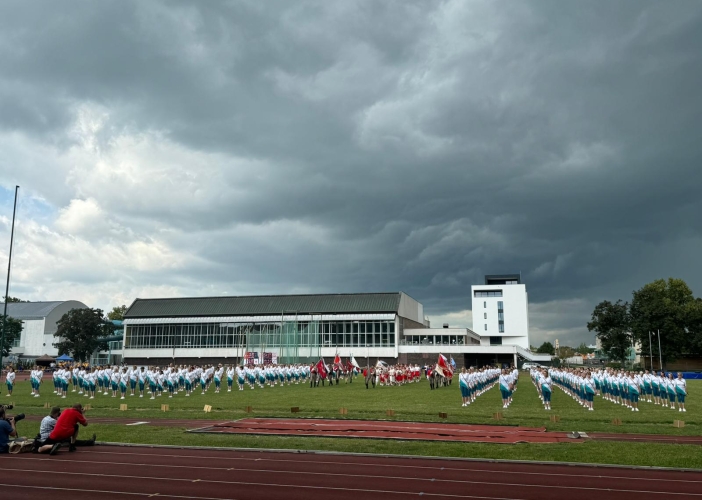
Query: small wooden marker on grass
<point>122,407</point>
<point>443,415</point>
<point>617,421</point>
<point>165,408</point>
<point>295,409</point>
<point>390,413</point>
<point>555,418</point>
<point>208,408</point>
<point>678,423</point>
<point>343,411</point>
<point>248,409</point>
<point>498,416</point>
<point>87,407</point>
<point>47,405</point>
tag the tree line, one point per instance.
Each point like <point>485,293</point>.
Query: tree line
<point>668,307</point>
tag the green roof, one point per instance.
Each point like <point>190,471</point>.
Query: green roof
<point>265,305</point>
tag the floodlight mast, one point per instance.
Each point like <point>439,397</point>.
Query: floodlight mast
<point>7,285</point>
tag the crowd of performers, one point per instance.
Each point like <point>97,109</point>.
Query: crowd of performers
<point>123,381</point>
<point>622,387</point>
<point>389,375</point>
<point>475,382</point>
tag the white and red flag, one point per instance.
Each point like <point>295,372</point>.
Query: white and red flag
<point>322,368</point>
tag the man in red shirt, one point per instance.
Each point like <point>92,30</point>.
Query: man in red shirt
<point>66,428</point>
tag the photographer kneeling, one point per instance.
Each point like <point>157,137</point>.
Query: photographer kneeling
<point>47,427</point>
<point>66,427</point>
<point>7,430</point>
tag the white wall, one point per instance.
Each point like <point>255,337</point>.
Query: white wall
<point>516,314</point>
<point>33,339</point>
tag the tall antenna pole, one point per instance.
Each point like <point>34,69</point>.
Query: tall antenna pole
<point>7,285</point>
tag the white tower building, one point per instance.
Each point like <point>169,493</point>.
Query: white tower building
<point>501,311</point>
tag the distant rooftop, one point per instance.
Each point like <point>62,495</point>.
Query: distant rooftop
<point>265,305</point>
<point>30,310</point>
<point>503,279</point>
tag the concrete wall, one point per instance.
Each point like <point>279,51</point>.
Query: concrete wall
<point>411,309</point>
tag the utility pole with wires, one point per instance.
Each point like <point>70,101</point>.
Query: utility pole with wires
<point>7,285</point>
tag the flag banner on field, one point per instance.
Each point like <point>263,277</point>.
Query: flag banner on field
<point>381,364</point>
<point>453,363</point>
<point>353,362</point>
<point>322,369</point>
<point>337,361</point>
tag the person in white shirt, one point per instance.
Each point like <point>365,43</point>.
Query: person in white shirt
<point>230,377</point>
<point>141,378</point>
<point>680,391</point>
<point>218,378</point>
<point>240,377</point>
<point>464,382</point>
<point>10,381</point>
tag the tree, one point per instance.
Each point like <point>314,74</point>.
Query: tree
<point>11,300</point>
<point>13,331</point>
<point>668,306</point>
<point>546,348</point>
<point>565,352</point>
<point>611,324</point>
<point>584,349</point>
<point>117,313</point>
<point>81,332</point>
<point>694,319</point>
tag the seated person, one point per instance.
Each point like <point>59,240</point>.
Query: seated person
<point>7,430</point>
<point>66,428</point>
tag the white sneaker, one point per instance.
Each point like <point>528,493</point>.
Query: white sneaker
<point>122,397</point>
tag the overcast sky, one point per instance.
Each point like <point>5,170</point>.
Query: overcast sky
<point>207,148</point>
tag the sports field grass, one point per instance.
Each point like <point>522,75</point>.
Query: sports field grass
<point>412,402</point>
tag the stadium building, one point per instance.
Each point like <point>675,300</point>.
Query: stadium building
<point>301,329</point>
<point>39,323</point>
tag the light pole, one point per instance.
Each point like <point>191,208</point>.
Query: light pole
<point>7,285</point>
<point>660,352</point>
<point>650,349</point>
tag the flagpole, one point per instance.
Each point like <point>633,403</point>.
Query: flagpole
<point>650,349</point>
<point>7,284</point>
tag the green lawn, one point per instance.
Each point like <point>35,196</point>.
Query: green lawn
<point>413,402</point>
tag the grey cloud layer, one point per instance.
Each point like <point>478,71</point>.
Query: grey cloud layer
<point>347,146</point>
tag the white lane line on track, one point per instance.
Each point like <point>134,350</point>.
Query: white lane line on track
<point>326,474</point>
<point>421,467</point>
<point>77,490</point>
<point>333,488</point>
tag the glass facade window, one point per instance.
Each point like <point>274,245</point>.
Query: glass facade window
<point>501,327</point>
<point>486,327</point>
<point>484,315</point>
<point>495,340</point>
<point>261,336</point>
<point>484,304</point>
<point>500,305</point>
<point>487,293</point>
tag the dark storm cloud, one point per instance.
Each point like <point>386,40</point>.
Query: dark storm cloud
<point>351,146</point>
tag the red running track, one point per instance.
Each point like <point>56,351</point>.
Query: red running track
<point>108,472</point>
<point>368,429</point>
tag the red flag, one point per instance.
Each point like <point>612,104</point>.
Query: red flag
<point>322,368</point>
<point>443,363</point>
